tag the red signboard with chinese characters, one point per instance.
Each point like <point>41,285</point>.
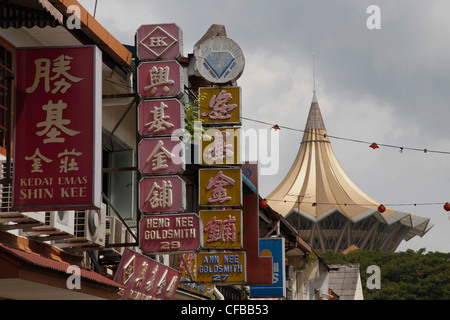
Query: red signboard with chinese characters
<point>145,279</point>
<point>161,156</point>
<point>160,117</point>
<point>57,141</point>
<point>173,233</point>
<point>162,194</point>
<point>160,79</point>
<point>163,41</point>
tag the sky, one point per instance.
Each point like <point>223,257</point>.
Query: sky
<point>386,85</point>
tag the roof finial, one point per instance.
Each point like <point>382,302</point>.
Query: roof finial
<point>314,78</point>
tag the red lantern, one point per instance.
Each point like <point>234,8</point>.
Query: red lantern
<point>381,208</point>
<point>374,146</point>
<point>264,203</point>
<point>276,127</point>
<point>447,206</point>
<point>314,204</point>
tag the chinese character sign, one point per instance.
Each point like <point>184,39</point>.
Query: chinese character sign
<point>160,117</point>
<point>145,279</point>
<point>161,156</point>
<point>159,79</point>
<point>221,146</point>
<point>162,194</point>
<point>220,187</point>
<point>57,149</point>
<point>220,105</point>
<point>222,229</point>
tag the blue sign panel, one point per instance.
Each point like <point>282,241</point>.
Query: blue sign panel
<point>272,247</point>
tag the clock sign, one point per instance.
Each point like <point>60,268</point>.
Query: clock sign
<point>219,60</point>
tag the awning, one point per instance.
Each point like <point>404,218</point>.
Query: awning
<point>30,276</point>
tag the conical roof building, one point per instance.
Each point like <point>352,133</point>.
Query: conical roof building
<point>330,212</point>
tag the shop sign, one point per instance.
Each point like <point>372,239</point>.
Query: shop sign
<point>221,267</point>
<point>162,194</point>
<point>172,233</point>
<point>57,154</point>
<point>158,156</point>
<point>272,247</point>
<point>221,146</point>
<point>259,268</point>
<point>145,279</point>
<point>222,229</point>
<point>219,60</point>
<point>220,187</point>
<point>160,117</point>
<point>220,105</point>
<point>186,265</point>
<point>159,41</point>
<point>160,79</point>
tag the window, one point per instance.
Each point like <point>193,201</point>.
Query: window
<point>6,92</point>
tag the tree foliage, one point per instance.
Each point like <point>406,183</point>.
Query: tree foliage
<point>406,275</point>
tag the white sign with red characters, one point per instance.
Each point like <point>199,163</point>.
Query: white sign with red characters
<point>57,149</point>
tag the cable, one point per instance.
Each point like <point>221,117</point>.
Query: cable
<point>401,148</point>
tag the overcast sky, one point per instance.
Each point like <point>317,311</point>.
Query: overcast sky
<point>389,85</point>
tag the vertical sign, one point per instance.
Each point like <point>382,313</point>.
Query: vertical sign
<point>272,247</point>
<point>145,279</point>
<point>259,269</point>
<point>57,154</point>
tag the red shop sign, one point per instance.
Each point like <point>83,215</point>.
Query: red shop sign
<point>57,140</point>
<point>145,279</point>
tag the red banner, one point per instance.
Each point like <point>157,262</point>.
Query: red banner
<point>57,146</point>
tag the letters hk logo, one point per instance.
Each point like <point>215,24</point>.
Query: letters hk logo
<point>158,41</point>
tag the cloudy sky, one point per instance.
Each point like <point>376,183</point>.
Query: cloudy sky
<point>388,85</point>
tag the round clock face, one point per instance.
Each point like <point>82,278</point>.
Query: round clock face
<point>220,60</point>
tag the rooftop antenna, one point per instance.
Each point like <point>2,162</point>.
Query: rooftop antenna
<point>314,78</point>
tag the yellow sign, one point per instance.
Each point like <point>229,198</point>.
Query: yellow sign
<point>222,229</point>
<point>187,262</point>
<point>220,187</point>
<point>221,267</point>
<point>220,105</point>
<point>221,146</point>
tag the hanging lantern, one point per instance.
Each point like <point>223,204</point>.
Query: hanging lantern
<point>381,208</point>
<point>447,206</point>
<point>264,203</point>
<point>374,146</point>
<point>276,127</point>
